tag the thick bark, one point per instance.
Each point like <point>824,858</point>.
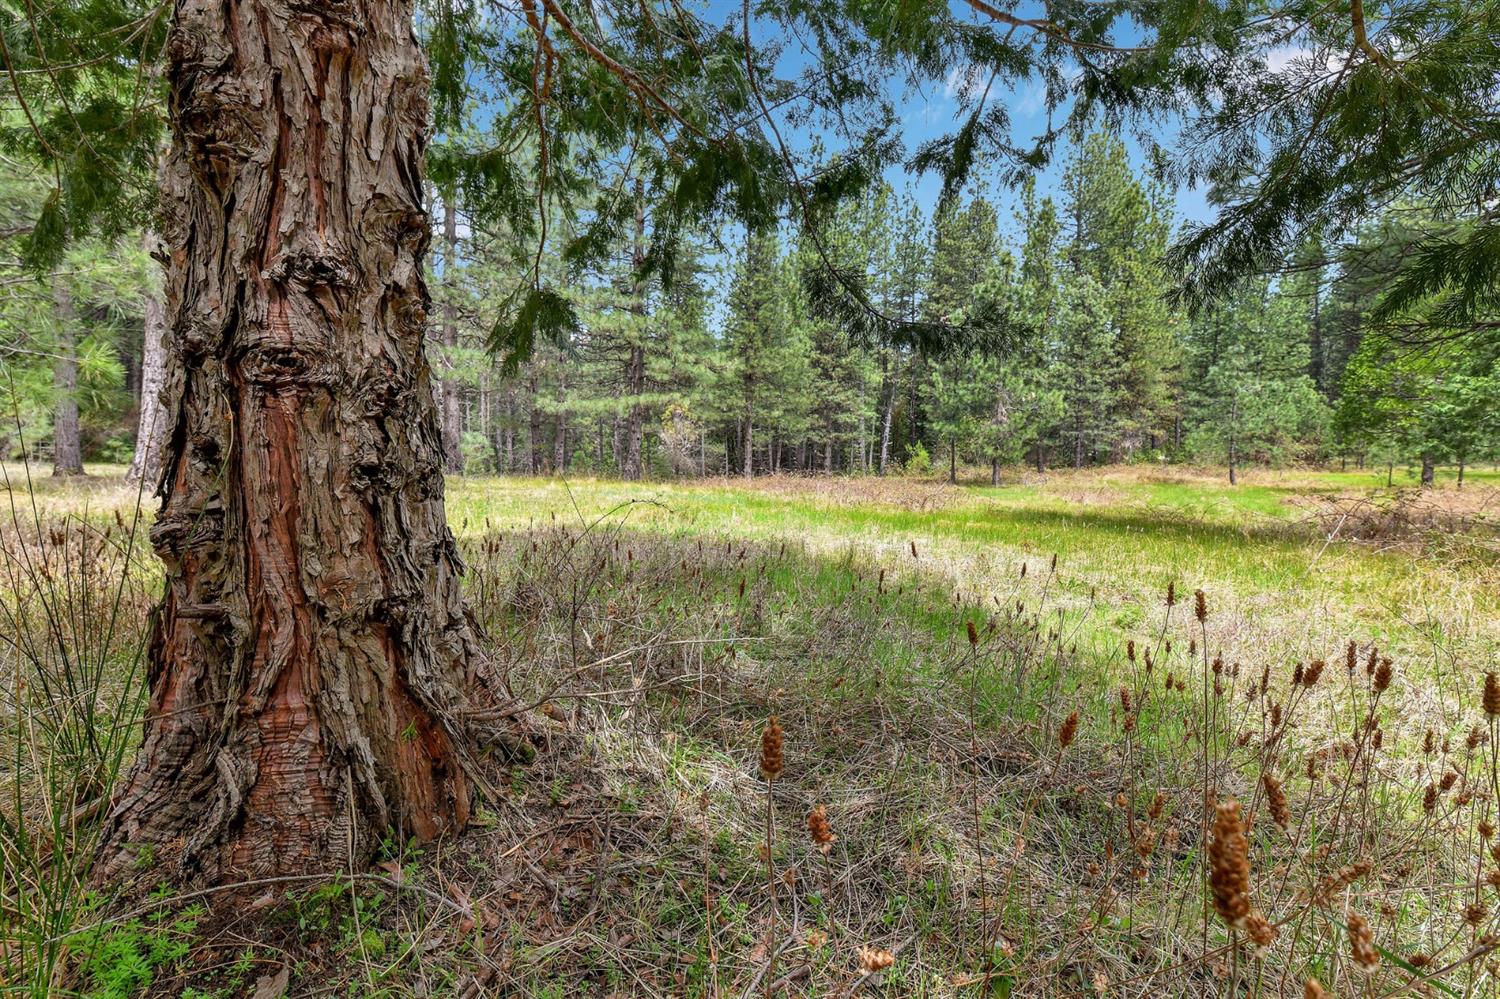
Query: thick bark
<point>315,677</point>
<point>67,448</point>
<point>448,387</point>
<point>1429,471</point>
<point>151,430</point>
<point>994,471</point>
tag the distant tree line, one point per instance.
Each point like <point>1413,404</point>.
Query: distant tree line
<point>722,368</point>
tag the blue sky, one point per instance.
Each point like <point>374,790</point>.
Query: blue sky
<point>931,111</point>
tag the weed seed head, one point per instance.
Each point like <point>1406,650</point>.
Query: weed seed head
<point>873,960</point>
<point>1068,731</point>
<point>819,829</point>
<point>772,760</point>
<point>1281,813</point>
<point>1362,945</point>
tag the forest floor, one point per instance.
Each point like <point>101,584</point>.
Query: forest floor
<point>656,626</point>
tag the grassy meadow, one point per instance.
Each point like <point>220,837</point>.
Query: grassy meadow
<point>1023,725</point>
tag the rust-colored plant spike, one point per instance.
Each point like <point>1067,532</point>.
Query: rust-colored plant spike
<point>973,633</point>
<point>772,762</point>
<point>1491,694</point>
<point>818,828</point>
<point>1313,989</point>
<point>1314,670</point>
<point>1229,876</point>
<point>1068,731</point>
<point>1200,606</point>
<point>1281,814</point>
<point>873,960</point>
<point>1230,865</point>
<point>1362,945</point>
<point>1382,676</point>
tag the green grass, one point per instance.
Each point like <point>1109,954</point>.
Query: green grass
<point>1123,535</point>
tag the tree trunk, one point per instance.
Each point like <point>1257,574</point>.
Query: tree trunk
<point>1429,471</point>
<point>67,449</point>
<point>1460,473</point>
<point>747,447</point>
<point>1234,417</point>
<point>994,471</point>
<point>453,446</point>
<point>560,427</point>
<point>151,429</point>
<point>315,677</point>
<point>534,429</point>
<point>635,364</point>
<point>885,431</point>
<point>953,462</point>
<point>635,382</point>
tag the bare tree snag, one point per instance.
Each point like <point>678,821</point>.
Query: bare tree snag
<point>150,434</point>
<point>315,677</point>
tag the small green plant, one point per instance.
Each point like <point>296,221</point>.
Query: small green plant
<point>122,960</point>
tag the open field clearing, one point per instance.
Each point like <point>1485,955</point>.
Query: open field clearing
<point>1014,762</point>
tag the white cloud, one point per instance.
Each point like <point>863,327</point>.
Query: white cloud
<point>966,81</point>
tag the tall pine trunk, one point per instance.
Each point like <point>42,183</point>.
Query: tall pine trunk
<point>635,364</point>
<point>533,427</point>
<point>315,677</point>
<point>449,388</point>
<point>885,430</point>
<point>151,428</point>
<point>1429,471</point>
<point>67,447</point>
